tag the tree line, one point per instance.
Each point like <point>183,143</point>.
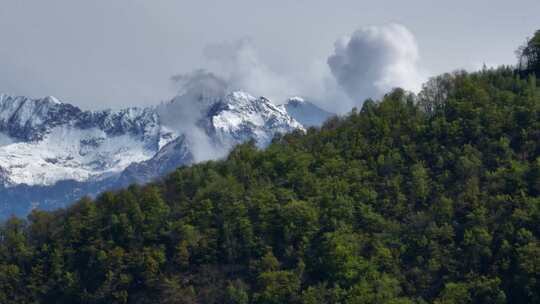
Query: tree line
<point>411,199</point>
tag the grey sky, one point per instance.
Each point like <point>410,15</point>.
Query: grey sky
<point>112,53</point>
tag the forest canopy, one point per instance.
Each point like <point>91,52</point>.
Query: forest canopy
<point>411,199</point>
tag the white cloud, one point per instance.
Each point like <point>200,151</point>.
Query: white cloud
<point>196,90</point>
<point>375,59</point>
<point>239,63</point>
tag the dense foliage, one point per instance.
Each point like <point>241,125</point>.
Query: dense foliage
<point>428,199</point>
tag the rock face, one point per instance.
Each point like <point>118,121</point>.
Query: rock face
<point>52,153</point>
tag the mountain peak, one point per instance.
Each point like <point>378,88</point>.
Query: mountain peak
<point>241,116</point>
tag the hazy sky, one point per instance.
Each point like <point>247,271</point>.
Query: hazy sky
<point>112,53</point>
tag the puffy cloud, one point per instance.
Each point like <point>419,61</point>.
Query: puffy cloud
<point>375,59</point>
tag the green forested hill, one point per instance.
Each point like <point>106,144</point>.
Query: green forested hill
<point>433,199</point>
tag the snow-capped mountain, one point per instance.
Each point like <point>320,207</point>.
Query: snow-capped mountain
<point>52,153</point>
<point>240,117</point>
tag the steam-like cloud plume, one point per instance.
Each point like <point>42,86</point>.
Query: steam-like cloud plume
<point>239,63</point>
<point>196,91</point>
<point>375,59</point>
<point>200,82</point>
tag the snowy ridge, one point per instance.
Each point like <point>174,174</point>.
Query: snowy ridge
<point>28,119</point>
<point>52,153</point>
<point>70,153</point>
<point>43,141</point>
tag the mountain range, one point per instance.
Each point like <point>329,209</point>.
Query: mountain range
<point>53,153</point>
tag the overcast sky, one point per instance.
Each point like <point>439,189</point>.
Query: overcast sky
<point>113,53</point>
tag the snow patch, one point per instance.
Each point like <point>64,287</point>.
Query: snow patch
<point>64,154</point>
